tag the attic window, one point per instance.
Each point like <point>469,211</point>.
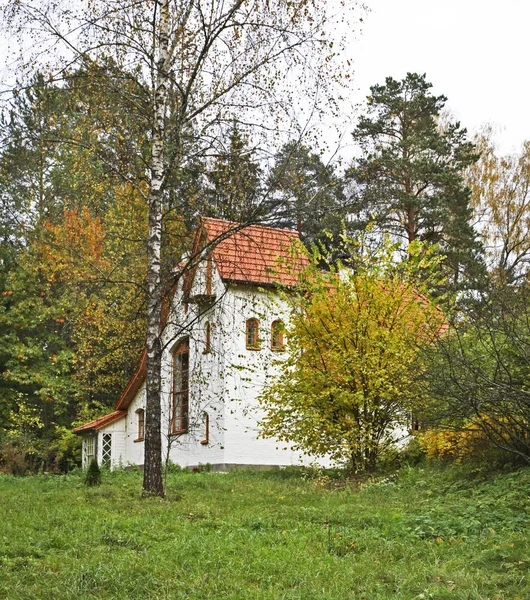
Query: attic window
<point>277,337</point>
<point>252,334</point>
<point>140,413</point>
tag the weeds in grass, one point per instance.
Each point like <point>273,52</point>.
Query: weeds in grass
<point>425,533</point>
<point>93,474</point>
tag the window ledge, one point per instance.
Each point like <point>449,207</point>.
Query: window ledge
<point>254,348</point>
<point>179,432</point>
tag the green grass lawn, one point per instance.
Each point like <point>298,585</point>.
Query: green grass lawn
<point>426,533</point>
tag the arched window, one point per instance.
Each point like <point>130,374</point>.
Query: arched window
<point>181,366</point>
<point>252,334</point>
<point>207,338</point>
<point>277,336</point>
<point>140,415</point>
<point>206,439</point>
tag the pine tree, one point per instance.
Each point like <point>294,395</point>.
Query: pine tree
<point>234,182</point>
<point>409,179</point>
<point>308,194</point>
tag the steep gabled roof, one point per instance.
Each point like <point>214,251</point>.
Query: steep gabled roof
<point>254,254</point>
<point>133,385</point>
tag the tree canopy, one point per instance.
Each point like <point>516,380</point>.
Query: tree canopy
<point>350,376</point>
<point>306,194</point>
<point>478,375</point>
<point>501,202</point>
<point>409,180</point>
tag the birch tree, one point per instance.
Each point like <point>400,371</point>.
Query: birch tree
<point>501,201</point>
<point>199,65</point>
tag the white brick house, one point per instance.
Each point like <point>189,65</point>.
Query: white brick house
<point>223,332</point>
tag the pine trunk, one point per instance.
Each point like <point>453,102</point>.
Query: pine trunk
<point>153,483</point>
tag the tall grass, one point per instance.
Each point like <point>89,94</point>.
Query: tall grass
<point>427,533</point>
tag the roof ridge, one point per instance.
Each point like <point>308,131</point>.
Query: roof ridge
<point>253,225</point>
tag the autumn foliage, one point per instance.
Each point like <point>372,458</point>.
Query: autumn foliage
<point>351,376</point>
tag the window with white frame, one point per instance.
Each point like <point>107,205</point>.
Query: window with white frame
<point>106,449</point>
<point>88,450</point>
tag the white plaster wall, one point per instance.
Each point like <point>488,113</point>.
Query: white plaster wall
<point>226,382</point>
<point>134,449</point>
<point>248,373</point>
<point>206,384</point>
<point>118,430</point>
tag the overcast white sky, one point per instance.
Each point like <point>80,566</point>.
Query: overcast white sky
<point>475,52</point>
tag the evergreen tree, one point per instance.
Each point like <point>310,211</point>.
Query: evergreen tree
<point>93,474</point>
<point>409,179</point>
<point>233,190</point>
<point>52,155</point>
<point>307,194</point>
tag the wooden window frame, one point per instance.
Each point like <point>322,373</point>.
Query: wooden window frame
<point>252,325</point>
<point>206,439</point>
<point>277,326</point>
<point>180,396</point>
<point>207,338</point>
<point>209,274</point>
<point>140,415</point>
<point>89,443</point>
<point>106,449</point>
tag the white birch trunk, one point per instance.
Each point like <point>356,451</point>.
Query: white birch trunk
<point>153,441</point>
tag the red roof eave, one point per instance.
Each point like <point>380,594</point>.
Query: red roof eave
<point>101,422</point>
<point>133,385</point>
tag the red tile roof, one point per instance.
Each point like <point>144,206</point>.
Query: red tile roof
<point>133,385</point>
<point>254,254</point>
<point>102,421</point>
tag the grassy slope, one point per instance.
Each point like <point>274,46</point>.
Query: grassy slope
<point>427,534</point>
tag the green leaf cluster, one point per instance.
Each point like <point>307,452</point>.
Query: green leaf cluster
<point>351,376</point>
